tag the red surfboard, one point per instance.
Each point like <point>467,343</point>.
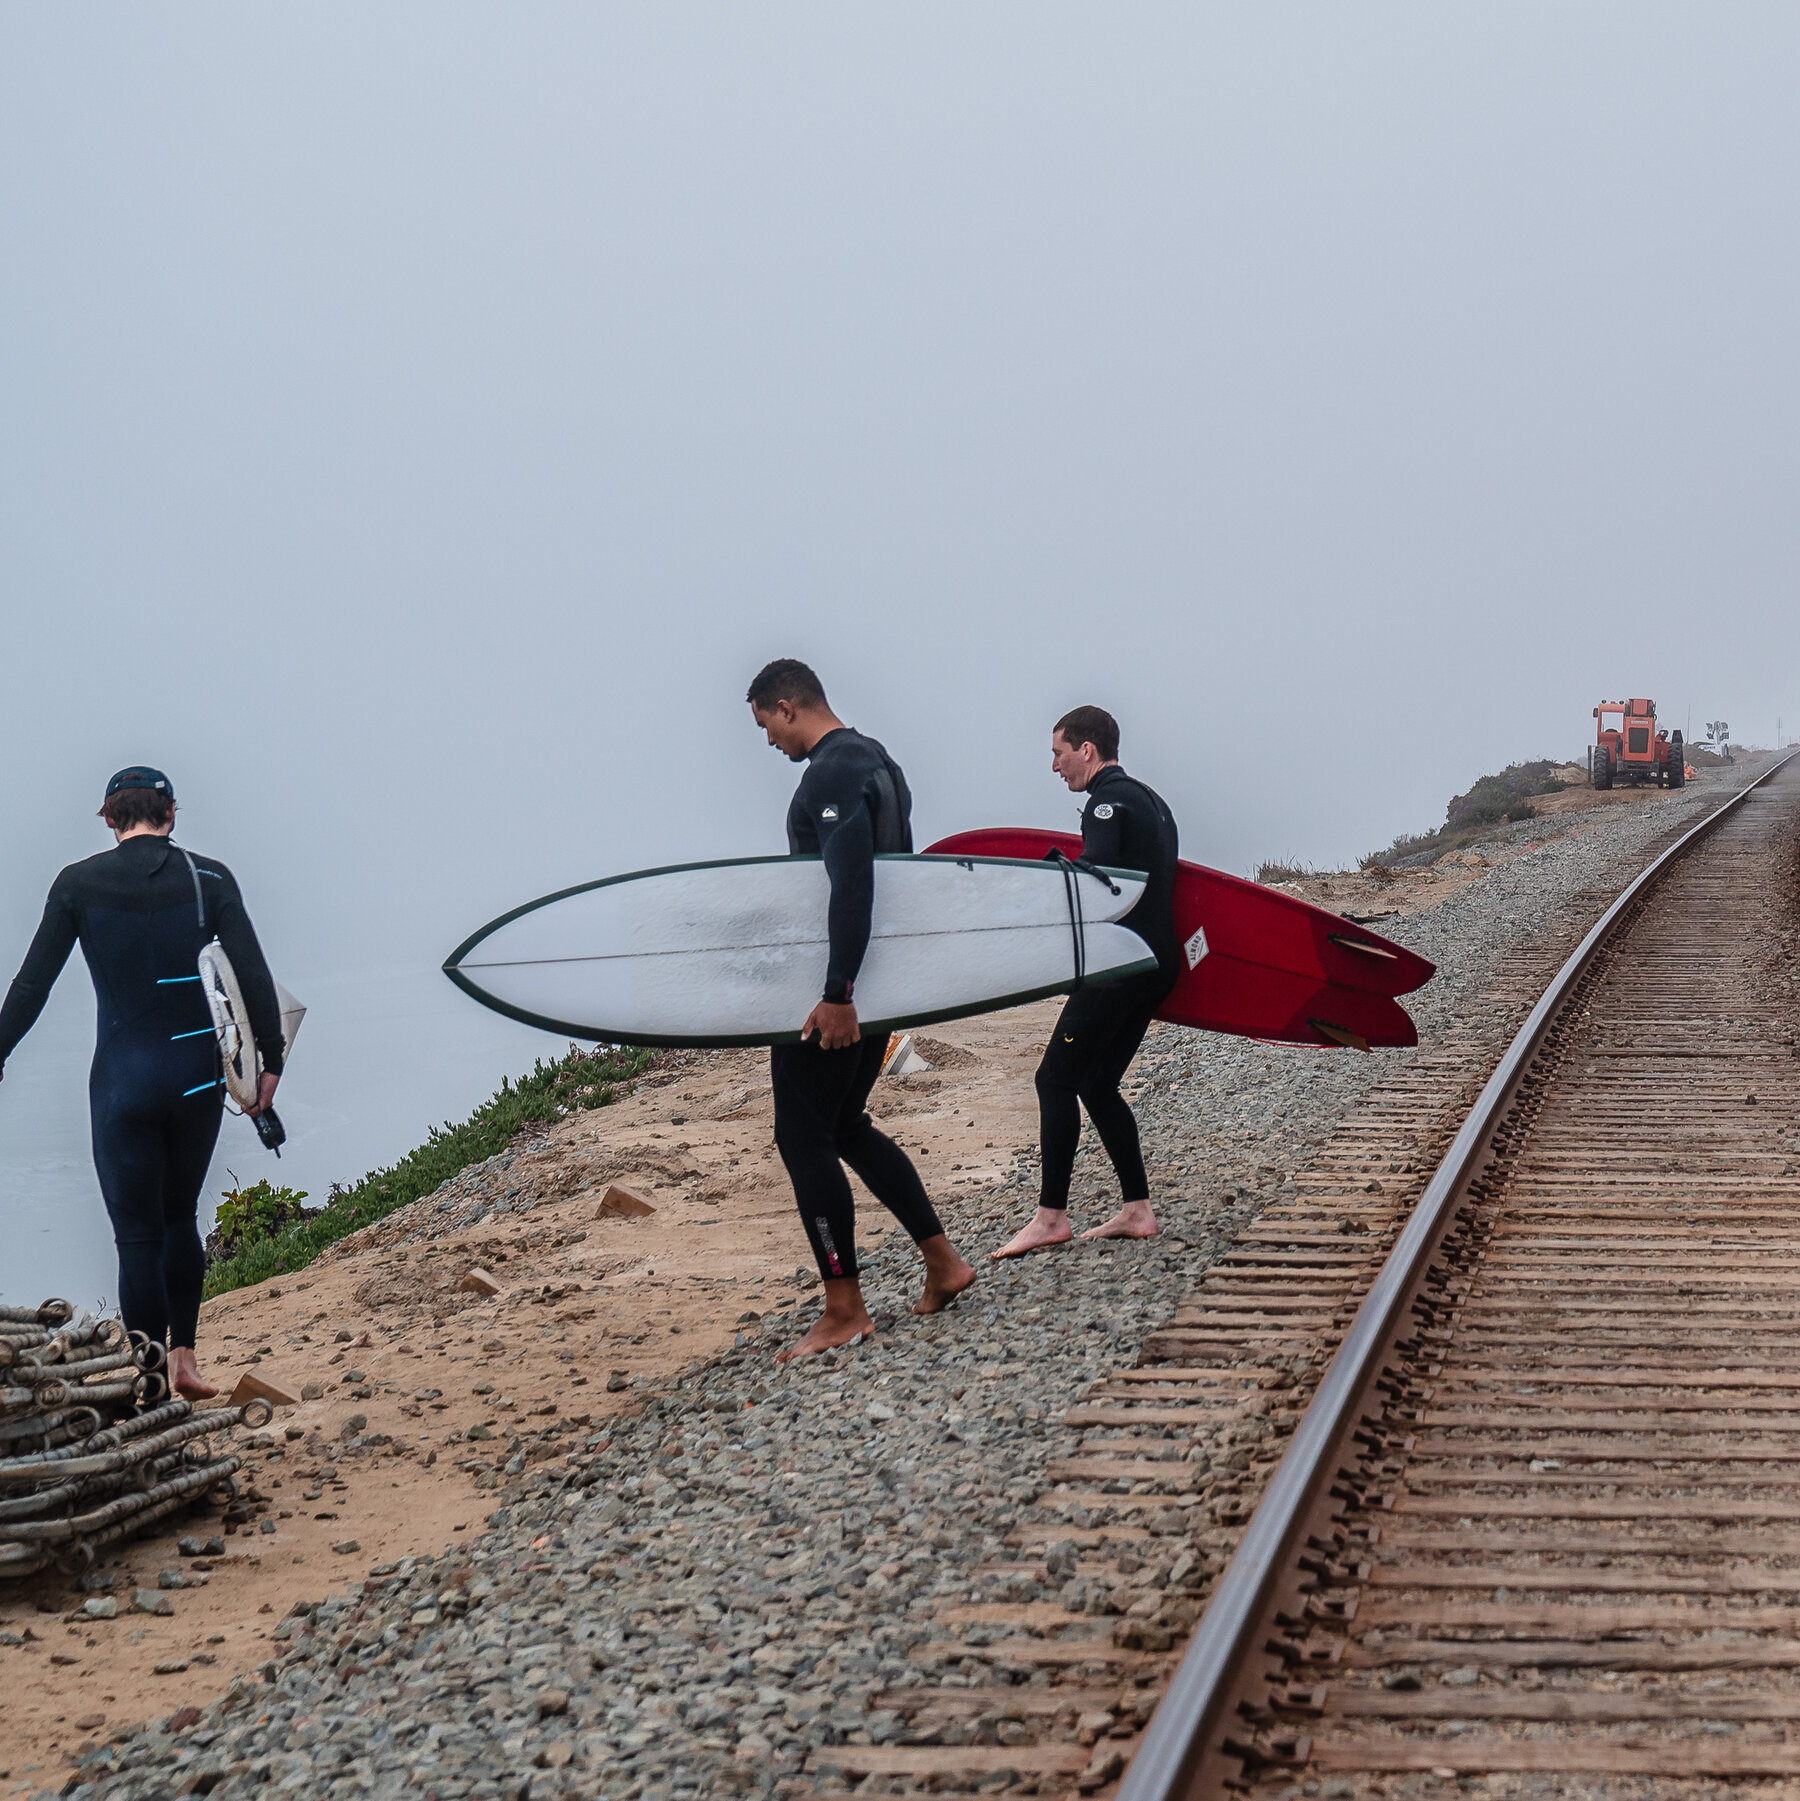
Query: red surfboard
<point>1258,964</point>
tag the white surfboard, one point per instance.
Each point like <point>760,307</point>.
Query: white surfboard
<point>734,952</point>
<point>241,1061</point>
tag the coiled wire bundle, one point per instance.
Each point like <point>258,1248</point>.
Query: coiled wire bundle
<point>92,1444</point>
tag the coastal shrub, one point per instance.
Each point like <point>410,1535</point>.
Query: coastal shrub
<point>1277,869</point>
<point>260,1211</point>
<point>1403,846</point>
<point>582,1079</point>
<point>1505,796</point>
<point>1493,800</point>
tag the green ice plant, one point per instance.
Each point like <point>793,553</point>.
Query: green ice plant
<point>571,1084</point>
<point>259,1211</point>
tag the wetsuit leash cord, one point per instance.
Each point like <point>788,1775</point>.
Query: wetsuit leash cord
<point>1073,869</point>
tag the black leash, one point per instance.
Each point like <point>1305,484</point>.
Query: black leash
<point>1073,869</point>
<point>199,898</point>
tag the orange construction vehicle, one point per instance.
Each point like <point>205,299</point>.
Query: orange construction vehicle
<point>1629,748</point>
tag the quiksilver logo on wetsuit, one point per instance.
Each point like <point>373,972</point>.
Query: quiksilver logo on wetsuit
<point>828,812</point>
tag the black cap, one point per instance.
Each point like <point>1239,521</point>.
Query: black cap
<point>140,775</point>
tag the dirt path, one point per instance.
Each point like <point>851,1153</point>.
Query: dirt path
<point>428,1392</point>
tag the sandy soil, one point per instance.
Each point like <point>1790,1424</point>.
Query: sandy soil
<point>448,1386</point>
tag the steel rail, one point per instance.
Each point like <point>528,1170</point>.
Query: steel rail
<point>52,1313</point>
<point>17,1513</point>
<point>1191,1714</point>
<point>95,1520</point>
<point>79,1556</point>
<point>42,1465</point>
<point>149,1435</point>
<point>58,1427</point>
<point>104,1463</point>
<point>29,1373</point>
<point>18,1560</point>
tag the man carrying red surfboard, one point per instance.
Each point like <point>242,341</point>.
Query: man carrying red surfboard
<point>1126,825</point>
<point>851,803</point>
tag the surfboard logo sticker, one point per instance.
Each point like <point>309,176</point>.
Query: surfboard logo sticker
<point>1196,947</point>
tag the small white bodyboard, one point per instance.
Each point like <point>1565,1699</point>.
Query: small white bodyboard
<point>239,1059</point>
<point>231,1024</point>
<point>735,953</point>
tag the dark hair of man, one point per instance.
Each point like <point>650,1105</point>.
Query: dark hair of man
<point>787,678</point>
<point>1091,725</point>
<point>137,806</point>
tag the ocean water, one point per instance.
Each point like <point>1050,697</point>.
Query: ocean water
<point>381,1058</point>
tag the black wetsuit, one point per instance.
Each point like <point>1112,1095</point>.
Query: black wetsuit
<point>852,803</point>
<point>154,1091</point>
<point>1125,826</point>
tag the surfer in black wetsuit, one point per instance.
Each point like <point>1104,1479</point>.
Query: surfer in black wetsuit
<point>852,803</point>
<point>1126,825</point>
<point>154,1090</point>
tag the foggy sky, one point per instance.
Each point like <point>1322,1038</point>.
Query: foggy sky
<point>419,422</point>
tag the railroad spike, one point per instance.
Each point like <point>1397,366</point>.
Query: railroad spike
<point>1261,1753</point>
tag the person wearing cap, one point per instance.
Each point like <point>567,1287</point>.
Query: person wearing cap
<point>155,1092</point>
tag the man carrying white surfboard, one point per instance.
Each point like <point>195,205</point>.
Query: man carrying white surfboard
<point>141,913</point>
<point>1125,825</point>
<point>851,803</point>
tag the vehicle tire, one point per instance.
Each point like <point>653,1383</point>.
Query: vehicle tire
<point>1677,761</point>
<point>1602,766</point>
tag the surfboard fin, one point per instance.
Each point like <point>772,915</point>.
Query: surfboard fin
<point>1353,1041</point>
<point>1358,944</point>
<point>903,1058</point>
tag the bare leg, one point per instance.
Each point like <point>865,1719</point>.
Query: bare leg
<point>1133,1220</point>
<point>946,1275</point>
<point>845,1318</point>
<point>184,1375</point>
<point>1049,1225</point>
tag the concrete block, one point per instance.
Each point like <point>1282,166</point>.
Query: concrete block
<point>252,1387</point>
<point>618,1199</point>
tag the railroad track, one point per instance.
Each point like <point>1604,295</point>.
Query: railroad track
<point>1046,1683</point>
<point>1024,1694</point>
<point>1542,1516</point>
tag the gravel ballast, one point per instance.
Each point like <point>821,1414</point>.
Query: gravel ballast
<point>708,1590</point>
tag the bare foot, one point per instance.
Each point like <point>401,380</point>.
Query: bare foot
<point>946,1275</point>
<point>185,1377</point>
<point>1048,1226</point>
<point>827,1334</point>
<point>844,1320</point>
<point>1133,1220</point>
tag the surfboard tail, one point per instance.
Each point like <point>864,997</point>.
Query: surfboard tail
<point>1240,999</point>
<point>1260,964</point>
